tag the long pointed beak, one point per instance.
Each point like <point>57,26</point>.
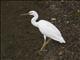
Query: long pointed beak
<point>24,14</point>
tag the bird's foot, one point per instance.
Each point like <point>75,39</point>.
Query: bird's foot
<point>41,52</point>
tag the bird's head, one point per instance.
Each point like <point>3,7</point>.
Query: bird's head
<point>30,13</point>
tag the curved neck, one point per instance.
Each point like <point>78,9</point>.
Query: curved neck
<point>33,20</point>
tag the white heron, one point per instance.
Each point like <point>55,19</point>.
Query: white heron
<point>46,28</point>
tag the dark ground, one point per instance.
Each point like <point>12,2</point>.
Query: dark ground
<point>21,41</point>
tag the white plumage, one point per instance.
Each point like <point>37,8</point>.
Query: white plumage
<point>50,30</point>
<point>46,28</point>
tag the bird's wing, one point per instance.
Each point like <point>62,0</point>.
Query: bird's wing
<point>50,30</point>
<point>48,27</point>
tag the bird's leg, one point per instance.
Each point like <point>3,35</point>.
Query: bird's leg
<point>44,44</point>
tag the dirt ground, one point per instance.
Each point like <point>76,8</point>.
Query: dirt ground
<point>22,41</point>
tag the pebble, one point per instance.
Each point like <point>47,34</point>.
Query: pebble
<point>53,18</point>
<point>67,22</point>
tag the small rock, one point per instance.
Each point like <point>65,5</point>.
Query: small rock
<point>78,10</point>
<point>65,15</point>
<point>67,22</point>
<point>62,0</point>
<point>53,18</point>
<point>52,6</point>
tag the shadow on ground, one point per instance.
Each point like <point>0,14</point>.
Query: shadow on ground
<point>21,41</point>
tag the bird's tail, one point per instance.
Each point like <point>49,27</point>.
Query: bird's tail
<point>59,39</point>
<point>62,40</point>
